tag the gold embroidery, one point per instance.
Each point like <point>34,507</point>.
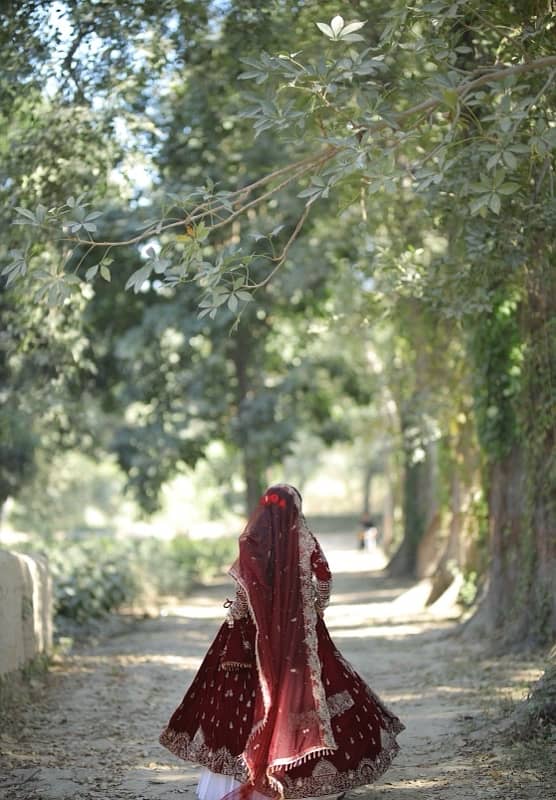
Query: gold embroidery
<point>338,703</point>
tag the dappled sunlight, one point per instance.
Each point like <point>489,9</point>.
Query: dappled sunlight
<point>188,610</point>
<point>165,773</point>
<point>182,662</point>
<point>379,595</point>
<point>352,560</point>
<point>379,631</point>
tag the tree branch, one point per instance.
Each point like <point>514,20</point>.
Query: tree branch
<point>465,87</point>
<point>284,254</point>
<point>237,202</point>
<point>204,210</point>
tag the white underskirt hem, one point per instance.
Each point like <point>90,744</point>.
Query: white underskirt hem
<point>213,786</point>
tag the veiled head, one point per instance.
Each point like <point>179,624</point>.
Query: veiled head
<point>285,492</point>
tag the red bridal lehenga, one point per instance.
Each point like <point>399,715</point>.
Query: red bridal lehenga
<point>275,709</point>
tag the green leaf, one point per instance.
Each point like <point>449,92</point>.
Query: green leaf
<point>495,203</point>
<point>105,273</point>
<point>509,159</point>
<point>25,213</point>
<point>91,272</point>
<point>201,232</point>
<point>311,191</point>
<point>245,296</point>
<point>509,188</point>
<point>499,176</point>
<point>450,98</point>
<point>259,77</point>
<point>53,296</point>
<point>493,161</point>
<point>351,27</point>
<point>137,278</point>
<point>476,205</point>
<point>351,37</point>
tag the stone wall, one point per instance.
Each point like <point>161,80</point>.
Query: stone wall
<point>25,609</point>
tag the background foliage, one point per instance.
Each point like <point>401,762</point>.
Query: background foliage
<point>237,225</point>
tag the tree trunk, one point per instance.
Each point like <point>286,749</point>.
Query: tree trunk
<point>522,493</point>
<point>522,509</point>
<point>252,475</point>
<point>388,509</point>
<point>506,519</point>
<point>419,505</point>
<point>453,550</point>
<point>368,473</point>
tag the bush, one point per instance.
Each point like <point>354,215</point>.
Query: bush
<point>181,563</point>
<point>92,578</point>
<point>96,575</point>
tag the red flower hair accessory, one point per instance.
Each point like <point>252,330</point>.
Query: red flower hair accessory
<point>273,499</point>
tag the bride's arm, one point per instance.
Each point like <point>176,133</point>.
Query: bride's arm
<point>323,577</point>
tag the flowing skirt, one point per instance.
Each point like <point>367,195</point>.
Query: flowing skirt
<point>212,723</point>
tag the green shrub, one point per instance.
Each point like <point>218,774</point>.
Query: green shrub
<point>92,578</point>
<point>96,575</point>
<point>468,590</point>
<point>175,566</point>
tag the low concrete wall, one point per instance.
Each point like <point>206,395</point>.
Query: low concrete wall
<point>25,609</point>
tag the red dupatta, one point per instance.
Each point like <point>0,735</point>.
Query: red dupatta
<point>291,721</point>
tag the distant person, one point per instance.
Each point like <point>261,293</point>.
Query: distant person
<point>275,710</point>
<point>368,533</point>
<point>371,536</point>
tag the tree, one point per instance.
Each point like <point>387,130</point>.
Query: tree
<point>442,109</point>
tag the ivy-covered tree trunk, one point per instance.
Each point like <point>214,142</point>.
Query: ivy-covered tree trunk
<point>516,361</point>
<point>522,493</point>
<point>539,425</point>
<point>521,600</point>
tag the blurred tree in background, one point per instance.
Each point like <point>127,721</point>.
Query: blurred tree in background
<point>377,263</point>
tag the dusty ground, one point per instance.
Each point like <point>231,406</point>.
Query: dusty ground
<point>92,731</point>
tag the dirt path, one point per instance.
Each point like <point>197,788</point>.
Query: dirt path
<point>93,734</point>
